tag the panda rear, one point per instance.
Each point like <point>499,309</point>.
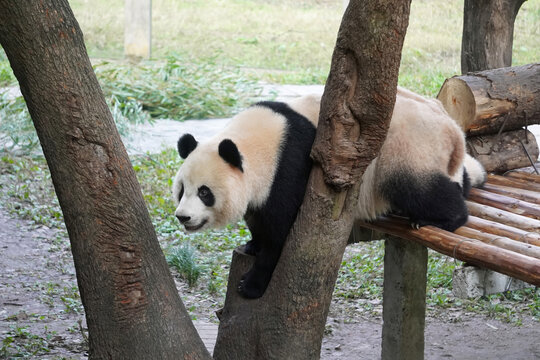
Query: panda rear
<point>259,165</point>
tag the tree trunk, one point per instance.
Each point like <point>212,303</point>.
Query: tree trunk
<point>488,34</point>
<point>288,321</point>
<point>132,307</point>
<point>486,102</point>
<point>507,151</point>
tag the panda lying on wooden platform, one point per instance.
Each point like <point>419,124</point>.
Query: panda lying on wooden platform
<point>258,167</point>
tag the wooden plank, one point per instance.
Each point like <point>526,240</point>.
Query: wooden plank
<point>506,203</point>
<point>503,217</point>
<point>472,251</point>
<point>535,178</point>
<point>513,182</point>
<point>521,194</point>
<point>500,241</point>
<point>495,228</point>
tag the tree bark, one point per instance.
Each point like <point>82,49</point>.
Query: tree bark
<point>288,321</point>
<point>132,307</point>
<point>487,101</point>
<point>507,151</point>
<point>488,34</point>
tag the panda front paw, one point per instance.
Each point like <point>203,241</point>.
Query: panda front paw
<point>250,248</point>
<point>251,288</point>
<point>416,224</point>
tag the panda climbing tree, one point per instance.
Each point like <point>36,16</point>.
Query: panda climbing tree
<point>130,301</point>
<point>288,320</point>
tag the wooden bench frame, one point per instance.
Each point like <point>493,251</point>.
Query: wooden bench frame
<point>502,234</point>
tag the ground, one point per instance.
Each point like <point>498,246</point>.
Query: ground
<point>41,316</point>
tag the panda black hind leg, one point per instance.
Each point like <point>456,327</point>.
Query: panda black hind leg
<point>429,199</point>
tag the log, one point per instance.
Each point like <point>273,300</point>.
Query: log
<point>506,203</point>
<point>503,217</point>
<point>472,251</point>
<point>510,232</point>
<point>521,194</point>
<point>500,241</point>
<point>500,153</point>
<point>513,182</point>
<point>525,176</point>
<point>483,102</point>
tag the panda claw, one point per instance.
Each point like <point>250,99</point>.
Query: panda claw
<point>241,286</point>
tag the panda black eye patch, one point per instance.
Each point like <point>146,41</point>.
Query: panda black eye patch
<point>206,196</point>
<point>181,193</point>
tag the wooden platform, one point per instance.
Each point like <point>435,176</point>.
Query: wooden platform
<point>502,234</point>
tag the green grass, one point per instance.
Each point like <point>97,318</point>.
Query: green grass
<point>292,41</point>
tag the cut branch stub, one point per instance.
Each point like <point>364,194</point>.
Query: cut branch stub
<point>484,102</point>
<point>355,111</point>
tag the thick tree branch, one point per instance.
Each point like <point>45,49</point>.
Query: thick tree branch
<point>288,321</point>
<point>131,303</point>
<point>360,90</point>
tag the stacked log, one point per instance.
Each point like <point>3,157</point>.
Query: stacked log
<point>494,108</point>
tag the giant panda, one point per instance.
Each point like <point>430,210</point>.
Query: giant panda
<point>258,166</point>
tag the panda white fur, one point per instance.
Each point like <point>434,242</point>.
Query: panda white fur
<point>422,170</point>
<point>258,167</point>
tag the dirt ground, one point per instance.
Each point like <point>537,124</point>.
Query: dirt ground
<point>38,308</point>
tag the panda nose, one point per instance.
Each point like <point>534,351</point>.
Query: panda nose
<point>183,219</point>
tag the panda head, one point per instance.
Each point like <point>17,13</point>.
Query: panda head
<point>208,189</point>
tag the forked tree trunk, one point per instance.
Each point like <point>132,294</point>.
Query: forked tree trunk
<point>488,34</point>
<point>132,307</point>
<point>288,321</point>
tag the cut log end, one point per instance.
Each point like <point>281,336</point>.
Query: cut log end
<point>458,100</point>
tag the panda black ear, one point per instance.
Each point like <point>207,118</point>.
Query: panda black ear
<point>229,152</point>
<point>186,144</point>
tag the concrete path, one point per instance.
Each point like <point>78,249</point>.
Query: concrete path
<point>165,133</point>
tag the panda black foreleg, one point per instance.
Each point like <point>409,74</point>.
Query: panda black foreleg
<point>427,200</point>
<point>256,280</point>
<point>266,243</point>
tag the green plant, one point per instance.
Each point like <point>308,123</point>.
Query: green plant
<point>16,128</point>
<point>6,74</point>
<point>72,300</point>
<point>178,88</point>
<point>135,94</point>
<point>20,342</point>
<point>184,260</point>
<point>26,191</point>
